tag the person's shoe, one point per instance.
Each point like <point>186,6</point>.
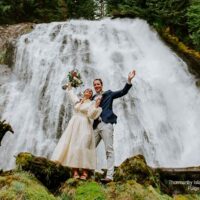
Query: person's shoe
<point>106,180</point>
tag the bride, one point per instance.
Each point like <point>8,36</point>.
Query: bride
<point>76,147</point>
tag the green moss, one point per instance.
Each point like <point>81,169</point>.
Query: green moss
<point>65,197</point>
<point>189,55</point>
<point>187,197</point>
<point>19,185</point>
<point>166,33</point>
<point>82,190</point>
<point>90,191</point>
<point>50,173</point>
<point>68,189</point>
<point>2,56</point>
<point>136,168</point>
<point>23,159</point>
<point>22,186</point>
<point>133,190</point>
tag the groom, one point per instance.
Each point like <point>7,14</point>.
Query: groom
<point>103,126</point>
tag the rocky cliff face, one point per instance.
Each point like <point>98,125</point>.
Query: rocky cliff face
<point>8,36</point>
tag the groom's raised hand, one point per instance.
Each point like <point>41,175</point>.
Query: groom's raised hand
<point>131,75</point>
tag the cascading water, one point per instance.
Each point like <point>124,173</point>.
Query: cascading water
<point>158,118</point>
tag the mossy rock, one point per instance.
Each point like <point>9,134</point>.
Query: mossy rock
<point>17,185</point>
<point>128,190</point>
<point>187,197</point>
<point>50,173</point>
<point>9,35</point>
<point>2,56</point>
<point>189,55</point>
<point>82,190</point>
<point>131,190</point>
<point>4,128</point>
<point>136,168</point>
<point>9,56</point>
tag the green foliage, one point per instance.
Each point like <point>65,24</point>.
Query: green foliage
<point>133,8</point>
<point>44,11</point>
<point>80,8</point>
<point>193,21</point>
<point>30,10</point>
<point>162,14</point>
<point>170,12</point>
<point>161,11</point>
<point>182,16</point>
<point>112,5</point>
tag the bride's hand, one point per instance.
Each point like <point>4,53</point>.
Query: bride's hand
<point>98,101</point>
<point>82,100</point>
<point>67,86</point>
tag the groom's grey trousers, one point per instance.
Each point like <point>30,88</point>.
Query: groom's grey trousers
<point>105,132</point>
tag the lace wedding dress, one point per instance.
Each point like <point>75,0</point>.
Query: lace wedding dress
<point>76,147</point>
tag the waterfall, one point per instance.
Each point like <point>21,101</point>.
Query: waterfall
<point>158,118</point>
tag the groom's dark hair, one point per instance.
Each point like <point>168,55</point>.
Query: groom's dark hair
<point>98,79</point>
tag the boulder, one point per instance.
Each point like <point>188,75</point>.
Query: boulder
<point>51,174</point>
<point>136,168</point>
<point>8,36</point>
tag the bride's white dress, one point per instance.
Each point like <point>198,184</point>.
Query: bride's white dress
<point>76,147</point>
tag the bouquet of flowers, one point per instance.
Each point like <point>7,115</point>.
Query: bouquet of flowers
<point>74,78</point>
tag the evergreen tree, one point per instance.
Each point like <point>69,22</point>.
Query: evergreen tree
<point>30,10</point>
<point>112,5</point>
<point>45,10</point>
<point>80,9</point>
<point>159,13</point>
<point>193,21</point>
<point>170,12</point>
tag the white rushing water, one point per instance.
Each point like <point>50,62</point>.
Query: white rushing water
<point>158,118</point>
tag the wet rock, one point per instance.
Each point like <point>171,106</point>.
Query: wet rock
<point>4,128</point>
<point>5,74</point>
<point>8,36</point>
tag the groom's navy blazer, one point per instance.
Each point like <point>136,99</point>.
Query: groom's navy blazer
<point>107,114</point>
